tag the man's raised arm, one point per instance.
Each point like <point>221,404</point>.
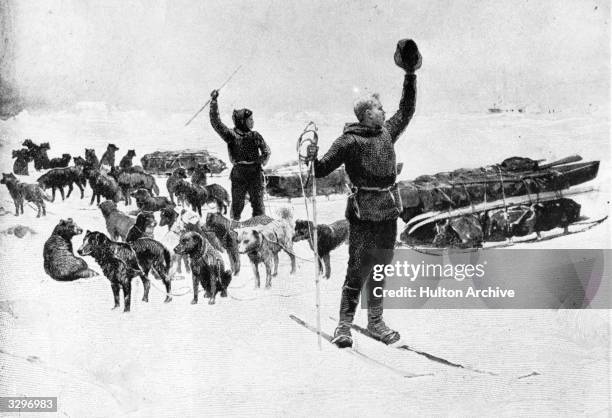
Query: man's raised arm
<point>398,122</point>
<point>407,57</point>
<point>215,120</point>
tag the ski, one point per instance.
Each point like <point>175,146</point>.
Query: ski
<point>402,346</point>
<point>353,351</point>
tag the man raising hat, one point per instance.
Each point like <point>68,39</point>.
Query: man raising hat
<point>366,149</point>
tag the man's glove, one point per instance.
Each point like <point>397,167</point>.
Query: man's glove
<point>407,55</point>
<point>311,152</point>
<point>214,94</point>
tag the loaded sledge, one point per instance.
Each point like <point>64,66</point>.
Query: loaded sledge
<point>284,181</point>
<point>164,162</point>
<point>468,207</point>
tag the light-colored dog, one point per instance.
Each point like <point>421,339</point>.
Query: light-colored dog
<point>118,224</point>
<point>263,243</point>
<point>176,227</point>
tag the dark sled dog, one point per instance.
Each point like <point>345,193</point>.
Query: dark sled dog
<point>21,192</point>
<point>329,237</point>
<point>207,266</point>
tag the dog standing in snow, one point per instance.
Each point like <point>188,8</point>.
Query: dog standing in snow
<point>207,267</point>
<point>262,245</point>
<point>176,227</point>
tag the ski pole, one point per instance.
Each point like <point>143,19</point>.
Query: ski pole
<point>316,251</point>
<point>208,101</point>
<point>311,128</point>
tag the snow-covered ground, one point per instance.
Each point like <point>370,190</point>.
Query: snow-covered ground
<point>244,356</point>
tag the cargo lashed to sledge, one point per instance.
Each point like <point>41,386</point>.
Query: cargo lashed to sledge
<point>465,187</point>
<point>516,182</point>
<point>164,162</point>
<point>284,181</point>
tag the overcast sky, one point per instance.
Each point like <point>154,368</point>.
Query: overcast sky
<point>308,55</point>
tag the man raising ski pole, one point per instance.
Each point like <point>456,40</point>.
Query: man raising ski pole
<point>366,149</point>
<point>248,152</point>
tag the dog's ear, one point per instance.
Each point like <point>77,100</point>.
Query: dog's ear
<point>199,242</point>
<point>101,238</point>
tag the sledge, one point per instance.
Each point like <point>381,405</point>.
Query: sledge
<point>583,226</point>
<point>430,249</point>
<point>485,206</point>
<point>516,176</point>
<point>468,208</point>
<point>284,181</point>
<point>164,162</point>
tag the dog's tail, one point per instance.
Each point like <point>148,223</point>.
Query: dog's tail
<point>87,273</point>
<point>155,189</point>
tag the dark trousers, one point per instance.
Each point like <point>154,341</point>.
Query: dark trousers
<point>247,178</point>
<point>364,237</point>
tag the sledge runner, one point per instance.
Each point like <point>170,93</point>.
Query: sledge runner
<point>366,149</point>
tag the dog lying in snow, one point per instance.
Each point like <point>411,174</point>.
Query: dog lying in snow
<point>59,260</point>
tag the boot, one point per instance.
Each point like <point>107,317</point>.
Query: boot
<point>342,335</point>
<point>348,305</point>
<point>377,327</point>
